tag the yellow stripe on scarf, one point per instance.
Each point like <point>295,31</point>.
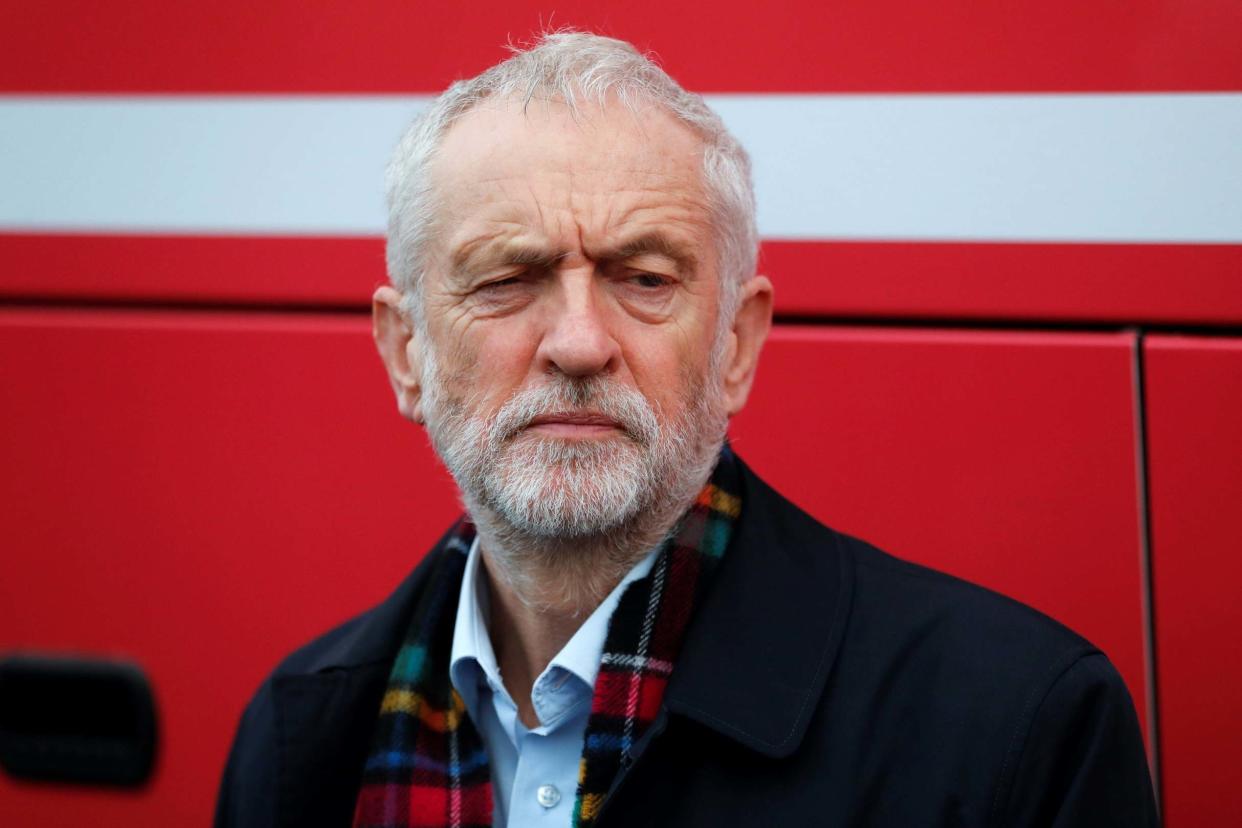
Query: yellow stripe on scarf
<point>725,503</point>
<point>591,804</point>
<point>413,704</point>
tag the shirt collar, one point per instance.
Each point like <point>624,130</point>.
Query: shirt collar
<point>472,661</point>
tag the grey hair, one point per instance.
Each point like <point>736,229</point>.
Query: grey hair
<point>570,67</point>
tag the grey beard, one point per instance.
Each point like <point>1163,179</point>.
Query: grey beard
<point>562,522</point>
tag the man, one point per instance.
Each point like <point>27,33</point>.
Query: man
<point>630,628</point>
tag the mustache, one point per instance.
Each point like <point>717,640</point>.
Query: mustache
<point>562,394</point>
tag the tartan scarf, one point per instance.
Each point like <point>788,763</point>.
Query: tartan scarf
<point>428,765</point>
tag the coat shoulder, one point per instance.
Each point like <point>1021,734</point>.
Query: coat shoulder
<point>933,600</point>
<point>896,600</point>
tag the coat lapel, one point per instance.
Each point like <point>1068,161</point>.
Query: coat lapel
<point>763,643</point>
<point>324,732</point>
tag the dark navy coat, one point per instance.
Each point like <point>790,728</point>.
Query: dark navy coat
<point>822,682</point>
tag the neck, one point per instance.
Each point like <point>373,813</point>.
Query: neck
<point>525,638</point>
<point>543,589</point>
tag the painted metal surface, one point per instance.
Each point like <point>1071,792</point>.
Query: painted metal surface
<point>1015,168</point>
<point>199,493</point>
<point>729,46</point>
<point>1194,426</point>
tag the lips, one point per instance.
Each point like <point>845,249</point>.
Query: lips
<point>576,418</point>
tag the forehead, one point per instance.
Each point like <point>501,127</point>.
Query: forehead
<point>508,168</point>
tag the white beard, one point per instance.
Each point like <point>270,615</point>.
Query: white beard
<point>581,511</point>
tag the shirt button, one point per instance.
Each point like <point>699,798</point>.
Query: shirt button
<point>548,796</point>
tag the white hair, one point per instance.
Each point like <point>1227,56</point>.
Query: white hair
<point>570,67</point>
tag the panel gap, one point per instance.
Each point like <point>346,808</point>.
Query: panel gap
<point>1146,571</point>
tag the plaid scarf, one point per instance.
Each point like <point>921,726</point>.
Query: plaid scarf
<point>428,765</point>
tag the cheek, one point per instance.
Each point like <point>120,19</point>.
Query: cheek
<point>500,359</point>
<point>669,369</point>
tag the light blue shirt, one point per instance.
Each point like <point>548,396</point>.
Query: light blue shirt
<point>534,771</point>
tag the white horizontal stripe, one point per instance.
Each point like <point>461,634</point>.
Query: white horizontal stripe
<point>248,164</point>
<point>1138,168</point>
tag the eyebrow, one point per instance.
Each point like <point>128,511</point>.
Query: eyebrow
<point>480,254</point>
<point>655,243</point>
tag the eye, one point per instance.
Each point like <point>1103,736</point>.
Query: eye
<point>500,284</point>
<point>504,293</point>
<point>650,281</point>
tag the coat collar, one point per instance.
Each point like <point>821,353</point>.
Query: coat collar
<point>759,651</point>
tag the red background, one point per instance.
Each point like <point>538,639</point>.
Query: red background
<point>203,466</point>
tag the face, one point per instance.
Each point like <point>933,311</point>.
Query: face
<point>571,370</point>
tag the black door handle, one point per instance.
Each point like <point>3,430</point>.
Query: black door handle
<point>78,720</point>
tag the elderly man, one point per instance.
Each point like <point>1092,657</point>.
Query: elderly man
<point>629,628</point>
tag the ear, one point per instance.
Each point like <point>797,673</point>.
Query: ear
<point>397,344</point>
<point>746,338</point>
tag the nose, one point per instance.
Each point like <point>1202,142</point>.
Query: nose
<point>578,341</point>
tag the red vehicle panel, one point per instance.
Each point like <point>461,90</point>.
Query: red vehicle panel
<point>199,492</point>
<point>1194,409</point>
<point>730,46</point>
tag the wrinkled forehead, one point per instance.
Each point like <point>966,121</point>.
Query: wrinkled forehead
<point>541,154</point>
